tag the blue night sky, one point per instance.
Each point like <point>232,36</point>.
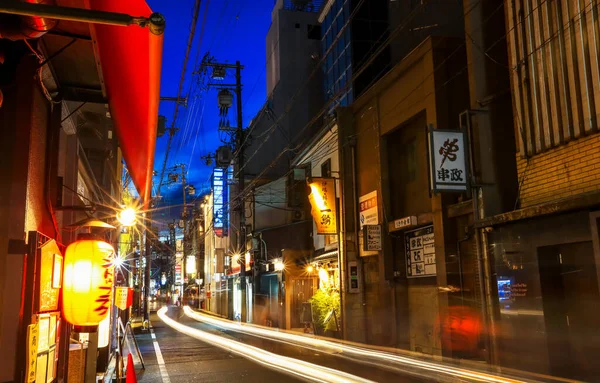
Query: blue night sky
<point>234,30</point>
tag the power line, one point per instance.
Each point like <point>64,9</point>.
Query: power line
<point>196,12</point>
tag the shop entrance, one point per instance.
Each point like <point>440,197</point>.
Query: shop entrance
<point>571,303</point>
<point>302,291</point>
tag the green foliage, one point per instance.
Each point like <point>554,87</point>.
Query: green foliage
<point>322,303</point>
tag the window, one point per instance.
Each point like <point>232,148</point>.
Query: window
<point>326,168</point>
<point>410,160</point>
<point>314,32</point>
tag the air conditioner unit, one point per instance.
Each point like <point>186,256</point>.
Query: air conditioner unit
<point>298,215</point>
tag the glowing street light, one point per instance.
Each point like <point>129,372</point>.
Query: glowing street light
<point>127,217</point>
<point>118,261</point>
<point>279,266</point>
<point>309,269</point>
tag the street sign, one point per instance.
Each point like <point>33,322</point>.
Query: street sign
<point>372,238</point>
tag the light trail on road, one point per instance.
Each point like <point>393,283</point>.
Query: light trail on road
<point>381,359</point>
<point>291,366</point>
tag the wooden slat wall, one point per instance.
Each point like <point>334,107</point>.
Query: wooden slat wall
<point>554,48</point>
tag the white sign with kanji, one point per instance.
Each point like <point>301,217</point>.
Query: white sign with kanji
<point>420,253</point>
<point>367,209</point>
<point>448,160</point>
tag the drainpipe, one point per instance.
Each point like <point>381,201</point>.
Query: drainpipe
<point>363,299</point>
<point>481,250</point>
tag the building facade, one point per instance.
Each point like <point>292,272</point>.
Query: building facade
<point>544,250</point>
<point>294,94</point>
<point>352,47</point>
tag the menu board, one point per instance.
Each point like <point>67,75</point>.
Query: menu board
<point>420,252</point>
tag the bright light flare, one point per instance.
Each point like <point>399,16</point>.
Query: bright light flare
<point>386,360</point>
<point>310,269</point>
<point>118,261</point>
<point>319,201</point>
<point>270,360</point>
<point>279,266</point>
<point>127,217</point>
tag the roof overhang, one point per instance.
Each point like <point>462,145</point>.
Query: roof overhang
<point>130,60</point>
<point>98,54</point>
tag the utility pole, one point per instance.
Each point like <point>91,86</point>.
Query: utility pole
<point>184,217</point>
<point>148,240</point>
<point>240,160</point>
<point>219,73</point>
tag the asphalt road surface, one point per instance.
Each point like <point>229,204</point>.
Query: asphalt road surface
<point>174,357</point>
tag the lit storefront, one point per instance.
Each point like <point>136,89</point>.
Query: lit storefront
<point>113,83</point>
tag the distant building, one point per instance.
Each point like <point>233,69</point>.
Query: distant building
<point>293,88</point>
<point>350,33</point>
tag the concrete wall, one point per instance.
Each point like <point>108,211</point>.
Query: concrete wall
<point>323,149</point>
<point>294,96</point>
<point>270,205</point>
<point>399,311</point>
<point>216,284</point>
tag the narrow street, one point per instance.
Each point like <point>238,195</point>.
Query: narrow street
<point>185,359</point>
<point>190,360</point>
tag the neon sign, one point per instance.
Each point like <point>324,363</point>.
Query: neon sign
<point>219,184</point>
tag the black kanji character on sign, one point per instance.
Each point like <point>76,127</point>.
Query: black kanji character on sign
<point>448,151</point>
<point>443,174</point>
<point>456,175</point>
<point>325,220</point>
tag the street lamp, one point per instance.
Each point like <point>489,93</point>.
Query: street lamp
<point>127,217</point>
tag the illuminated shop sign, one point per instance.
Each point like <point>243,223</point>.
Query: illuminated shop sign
<point>219,202</point>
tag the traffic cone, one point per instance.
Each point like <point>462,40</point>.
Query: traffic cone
<point>131,378</point>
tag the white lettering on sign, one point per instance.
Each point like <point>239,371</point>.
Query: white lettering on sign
<point>372,240</point>
<point>405,222</point>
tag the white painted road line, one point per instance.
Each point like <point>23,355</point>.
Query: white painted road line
<point>159,358</point>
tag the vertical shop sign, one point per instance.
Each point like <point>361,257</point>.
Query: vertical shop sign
<point>420,253</point>
<point>448,160</point>
<point>219,202</point>
<point>323,202</point>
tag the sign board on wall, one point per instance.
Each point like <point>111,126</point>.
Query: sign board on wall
<point>367,209</point>
<point>420,252</point>
<point>190,264</point>
<point>448,160</point>
<point>324,205</point>
<point>405,222</point>
<point>372,240</point>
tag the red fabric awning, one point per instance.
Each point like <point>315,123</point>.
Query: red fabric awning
<point>130,63</point>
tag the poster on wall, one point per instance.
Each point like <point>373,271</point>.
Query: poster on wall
<point>420,253</point>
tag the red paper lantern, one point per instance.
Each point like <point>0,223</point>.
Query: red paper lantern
<point>87,283</point>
